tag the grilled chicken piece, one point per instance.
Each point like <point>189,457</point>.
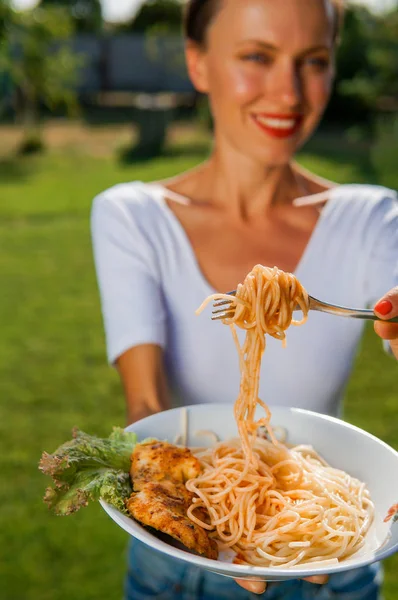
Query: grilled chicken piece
<point>160,499</point>
<point>157,461</point>
<point>164,506</point>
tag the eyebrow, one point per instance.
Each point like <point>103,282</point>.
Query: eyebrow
<point>272,48</point>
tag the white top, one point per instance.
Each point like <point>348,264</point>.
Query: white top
<point>151,284</point>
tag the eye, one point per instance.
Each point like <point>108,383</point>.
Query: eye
<point>257,58</point>
<point>318,63</point>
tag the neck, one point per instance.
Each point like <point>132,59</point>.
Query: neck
<point>246,189</point>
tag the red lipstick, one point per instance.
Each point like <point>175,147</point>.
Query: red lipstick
<point>278,125</point>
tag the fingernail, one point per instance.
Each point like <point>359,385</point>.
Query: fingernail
<point>383,308</point>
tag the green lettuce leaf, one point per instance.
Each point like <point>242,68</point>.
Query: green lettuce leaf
<point>89,468</point>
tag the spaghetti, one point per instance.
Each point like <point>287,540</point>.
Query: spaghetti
<point>272,505</point>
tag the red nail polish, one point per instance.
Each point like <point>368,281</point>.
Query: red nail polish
<point>384,307</point>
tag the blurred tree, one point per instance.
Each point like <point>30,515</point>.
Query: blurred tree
<point>351,59</point>
<point>367,65</point>
<point>383,59</point>
<point>6,14</point>
<point>86,14</point>
<point>41,65</point>
<point>155,13</point>
<point>352,51</point>
<point>5,17</point>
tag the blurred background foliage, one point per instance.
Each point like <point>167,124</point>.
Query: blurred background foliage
<point>164,13</point>
<point>40,67</point>
<point>367,66</point>
<point>367,57</point>
<point>86,15</point>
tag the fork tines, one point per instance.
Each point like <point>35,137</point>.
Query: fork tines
<point>226,312</point>
<point>222,315</point>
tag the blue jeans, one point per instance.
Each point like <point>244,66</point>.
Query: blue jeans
<point>152,575</point>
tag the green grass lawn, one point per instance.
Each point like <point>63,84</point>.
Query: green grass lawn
<point>53,372</point>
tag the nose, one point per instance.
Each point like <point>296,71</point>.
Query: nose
<point>286,85</point>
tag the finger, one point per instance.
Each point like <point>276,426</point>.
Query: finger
<point>387,331</point>
<point>256,587</point>
<point>387,306</point>
<point>319,579</point>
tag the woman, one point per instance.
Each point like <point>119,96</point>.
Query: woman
<point>161,248</point>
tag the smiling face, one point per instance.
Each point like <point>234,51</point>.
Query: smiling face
<point>268,69</point>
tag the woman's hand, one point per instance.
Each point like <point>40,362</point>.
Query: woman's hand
<point>259,587</point>
<point>386,308</point>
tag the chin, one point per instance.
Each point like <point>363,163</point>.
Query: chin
<point>281,152</point>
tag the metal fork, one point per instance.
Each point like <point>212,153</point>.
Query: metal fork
<point>340,311</point>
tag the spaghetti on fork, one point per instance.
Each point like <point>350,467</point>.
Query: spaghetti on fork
<point>273,505</point>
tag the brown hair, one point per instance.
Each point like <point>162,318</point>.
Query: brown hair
<point>199,14</point>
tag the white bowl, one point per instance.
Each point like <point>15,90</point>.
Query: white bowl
<point>344,446</point>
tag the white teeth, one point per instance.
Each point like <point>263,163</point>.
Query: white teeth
<point>277,123</point>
